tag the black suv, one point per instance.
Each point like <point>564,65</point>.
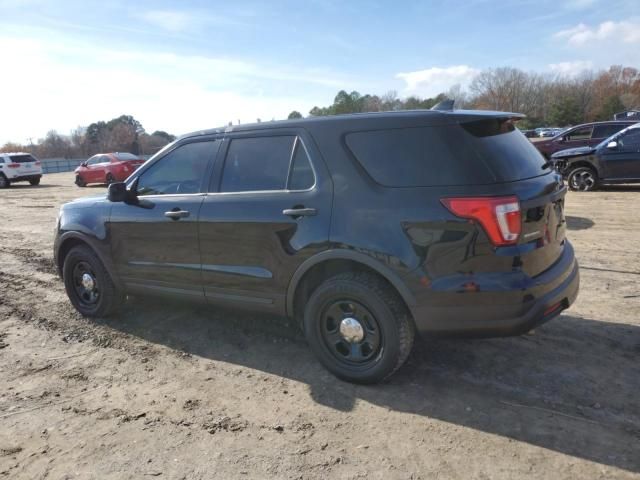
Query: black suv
<point>614,160</point>
<point>364,228</point>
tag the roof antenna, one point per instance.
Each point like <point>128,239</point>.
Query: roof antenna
<point>445,105</point>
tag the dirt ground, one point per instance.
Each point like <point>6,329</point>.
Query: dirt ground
<point>173,391</point>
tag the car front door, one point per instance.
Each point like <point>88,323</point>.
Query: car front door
<point>577,137</point>
<point>622,162</point>
<point>155,242</point>
<point>268,209</point>
<point>90,169</point>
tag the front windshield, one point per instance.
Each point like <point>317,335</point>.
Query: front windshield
<point>615,136</point>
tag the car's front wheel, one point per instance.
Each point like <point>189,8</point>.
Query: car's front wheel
<point>88,284</point>
<point>358,327</point>
<point>34,181</point>
<point>583,179</point>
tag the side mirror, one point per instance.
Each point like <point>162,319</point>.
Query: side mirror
<point>83,164</point>
<point>117,192</point>
<point>612,145</point>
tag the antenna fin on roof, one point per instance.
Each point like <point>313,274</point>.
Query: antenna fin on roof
<point>445,105</point>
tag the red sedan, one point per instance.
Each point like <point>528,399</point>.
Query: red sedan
<point>107,168</point>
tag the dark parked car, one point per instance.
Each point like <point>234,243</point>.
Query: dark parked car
<point>363,228</point>
<point>107,168</point>
<point>615,160</point>
<point>587,135</point>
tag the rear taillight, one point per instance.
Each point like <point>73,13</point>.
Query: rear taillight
<point>13,165</point>
<point>499,216</point>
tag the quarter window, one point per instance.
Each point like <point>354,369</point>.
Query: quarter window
<point>301,177</point>
<point>179,172</point>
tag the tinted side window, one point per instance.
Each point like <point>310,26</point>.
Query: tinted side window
<point>583,133</point>
<point>260,163</point>
<point>301,176</point>
<point>94,160</point>
<point>630,141</point>
<point>604,131</point>
<point>180,171</point>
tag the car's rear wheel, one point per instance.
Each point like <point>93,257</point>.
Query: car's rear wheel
<point>34,181</point>
<point>582,179</point>
<point>4,183</point>
<point>88,284</point>
<point>109,178</point>
<point>358,327</point>
<point>80,182</point>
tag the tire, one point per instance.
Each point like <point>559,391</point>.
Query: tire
<point>582,179</point>
<point>381,338</point>
<point>4,183</point>
<point>80,182</point>
<point>35,181</point>
<point>104,298</point>
<point>109,179</point>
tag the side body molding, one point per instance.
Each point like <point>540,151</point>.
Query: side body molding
<point>358,257</point>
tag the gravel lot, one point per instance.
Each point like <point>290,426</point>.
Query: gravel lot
<point>172,391</point>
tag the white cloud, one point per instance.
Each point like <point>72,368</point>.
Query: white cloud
<point>435,80</point>
<point>626,31</point>
<point>60,83</point>
<point>571,69</point>
<point>171,20</point>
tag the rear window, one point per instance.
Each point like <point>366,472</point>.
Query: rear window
<point>22,158</point>
<point>125,156</point>
<point>474,153</point>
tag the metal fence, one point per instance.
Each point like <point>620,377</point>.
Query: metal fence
<point>56,165</point>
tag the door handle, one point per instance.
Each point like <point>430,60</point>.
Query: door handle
<point>176,214</point>
<point>300,212</point>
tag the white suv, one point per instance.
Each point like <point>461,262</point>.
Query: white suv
<point>19,167</point>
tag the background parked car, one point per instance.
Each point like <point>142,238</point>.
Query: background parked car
<point>614,160</point>
<point>107,168</point>
<point>585,135</point>
<point>19,167</point>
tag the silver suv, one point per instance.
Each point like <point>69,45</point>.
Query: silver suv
<point>19,167</point>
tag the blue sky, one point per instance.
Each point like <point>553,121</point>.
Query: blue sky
<point>189,65</point>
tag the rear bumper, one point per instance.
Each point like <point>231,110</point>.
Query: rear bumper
<point>24,178</point>
<point>501,304</point>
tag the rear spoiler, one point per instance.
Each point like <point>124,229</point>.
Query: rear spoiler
<point>447,105</point>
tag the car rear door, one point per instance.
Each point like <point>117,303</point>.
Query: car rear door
<point>623,161</point>
<point>268,209</point>
<point>155,243</point>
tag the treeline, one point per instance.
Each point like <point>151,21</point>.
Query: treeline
<point>122,134</point>
<point>546,100</point>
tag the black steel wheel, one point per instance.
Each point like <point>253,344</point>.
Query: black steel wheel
<point>358,327</point>
<point>109,179</point>
<point>88,284</point>
<point>350,332</point>
<point>582,179</point>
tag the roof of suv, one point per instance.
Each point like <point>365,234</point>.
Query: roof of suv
<point>435,117</point>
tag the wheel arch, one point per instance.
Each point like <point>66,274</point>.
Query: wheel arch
<point>330,262</point>
<point>70,240</point>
